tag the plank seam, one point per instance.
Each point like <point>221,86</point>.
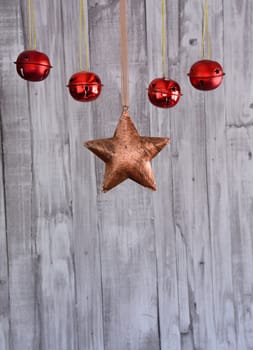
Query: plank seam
<point>101,283</point>
<point>208,206</point>
<point>71,206</point>
<point>6,224</point>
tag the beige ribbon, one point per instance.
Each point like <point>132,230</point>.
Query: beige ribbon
<point>124,55</point>
<point>205,33</point>
<point>83,36</point>
<point>31,26</point>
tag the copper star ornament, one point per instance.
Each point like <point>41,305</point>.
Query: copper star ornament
<point>127,155</point>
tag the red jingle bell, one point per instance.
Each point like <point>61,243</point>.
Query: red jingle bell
<point>164,93</point>
<point>206,75</point>
<point>33,65</point>
<point>85,86</point>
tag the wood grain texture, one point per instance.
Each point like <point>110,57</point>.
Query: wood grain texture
<point>190,192</point>
<point>86,240</point>
<point>125,213</point>
<point>4,270</point>
<point>52,193</point>
<point>217,182</point>
<point>4,274</point>
<point>16,145</point>
<point>239,117</point>
<point>164,223</point>
<point>129,269</point>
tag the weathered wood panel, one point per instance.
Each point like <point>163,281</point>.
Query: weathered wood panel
<point>125,214</point>
<point>84,198</point>
<point>52,225</point>
<point>238,36</point>
<point>17,172</point>
<point>129,269</point>
<point>164,223</point>
<point>217,185</point>
<point>4,277</point>
<point>190,191</point>
<point>4,273</point>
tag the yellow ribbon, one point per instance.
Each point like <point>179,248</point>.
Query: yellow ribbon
<point>205,33</point>
<point>83,36</point>
<point>31,26</point>
<point>163,39</point>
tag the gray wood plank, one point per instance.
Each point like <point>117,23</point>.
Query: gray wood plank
<point>83,181</point>
<point>4,275</point>
<point>125,213</point>
<point>52,225</point>
<point>217,177</point>
<point>163,199</point>
<point>18,184</point>
<point>240,195</point>
<point>238,35</point>
<point>191,207</point>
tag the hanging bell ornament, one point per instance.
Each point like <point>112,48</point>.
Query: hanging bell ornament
<point>164,93</point>
<point>206,75</point>
<point>33,65</point>
<point>85,86</point>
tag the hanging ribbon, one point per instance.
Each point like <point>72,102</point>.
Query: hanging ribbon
<point>31,26</point>
<point>205,33</point>
<point>163,40</point>
<point>124,55</point>
<point>83,36</point>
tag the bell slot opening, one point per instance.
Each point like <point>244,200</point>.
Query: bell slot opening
<point>21,70</point>
<point>86,90</point>
<point>201,83</point>
<point>45,73</point>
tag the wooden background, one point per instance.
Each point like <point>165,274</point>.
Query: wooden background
<point>130,269</point>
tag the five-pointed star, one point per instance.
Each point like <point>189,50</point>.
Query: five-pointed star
<point>127,155</point>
